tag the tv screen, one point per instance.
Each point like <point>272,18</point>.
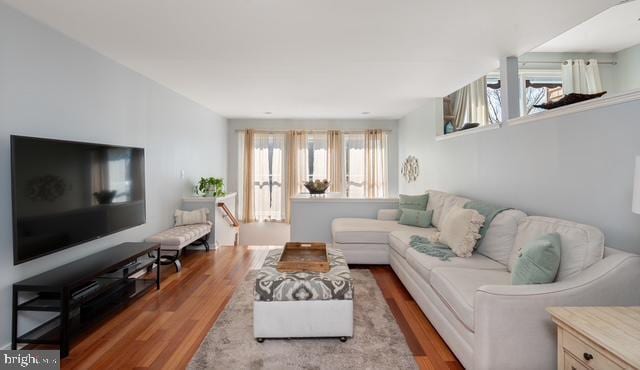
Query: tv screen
<point>66,193</point>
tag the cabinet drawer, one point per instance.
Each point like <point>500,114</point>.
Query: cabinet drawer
<point>586,354</point>
<point>570,363</point>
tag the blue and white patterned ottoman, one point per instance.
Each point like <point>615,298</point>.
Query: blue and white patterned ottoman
<point>303,304</point>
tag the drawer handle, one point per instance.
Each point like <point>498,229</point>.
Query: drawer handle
<point>587,356</point>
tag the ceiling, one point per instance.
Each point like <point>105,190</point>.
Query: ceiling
<point>612,30</point>
<point>311,58</point>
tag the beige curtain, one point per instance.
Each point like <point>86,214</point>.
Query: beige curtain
<point>471,104</point>
<point>248,195</point>
<point>375,164</point>
<point>297,166</point>
<point>335,173</point>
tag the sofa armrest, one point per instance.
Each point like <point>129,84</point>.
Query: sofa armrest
<point>389,214</point>
<point>511,319</point>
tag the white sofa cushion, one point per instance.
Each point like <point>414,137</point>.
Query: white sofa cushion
<point>441,203</point>
<point>501,236</point>
<point>457,288</point>
<point>365,230</point>
<point>460,230</point>
<point>582,245</point>
<point>389,214</point>
<point>399,240</point>
<point>423,264</point>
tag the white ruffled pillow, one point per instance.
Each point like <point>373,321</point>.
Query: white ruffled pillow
<point>460,230</point>
<point>199,216</point>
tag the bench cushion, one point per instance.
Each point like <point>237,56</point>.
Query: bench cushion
<point>180,236</point>
<point>272,285</point>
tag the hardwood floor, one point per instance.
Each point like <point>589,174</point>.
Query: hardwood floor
<point>164,328</point>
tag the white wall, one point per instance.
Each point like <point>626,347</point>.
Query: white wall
<point>51,86</point>
<point>628,69</point>
<point>314,124</point>
<point>578,167</point>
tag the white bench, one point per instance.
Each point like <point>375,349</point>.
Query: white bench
<point>176,238</point>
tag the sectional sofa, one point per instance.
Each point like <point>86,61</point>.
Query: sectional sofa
<point>487,322</point>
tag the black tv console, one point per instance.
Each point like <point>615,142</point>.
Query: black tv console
<point>84,292</point>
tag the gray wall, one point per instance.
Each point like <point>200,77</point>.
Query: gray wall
<point>51,86</point>
<point>578,166</point>
<point>314,124</point>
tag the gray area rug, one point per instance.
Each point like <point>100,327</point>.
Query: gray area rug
<point>377,343</point>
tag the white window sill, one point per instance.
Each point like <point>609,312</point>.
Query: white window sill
<point>602,102</point>
<point>470,131</point>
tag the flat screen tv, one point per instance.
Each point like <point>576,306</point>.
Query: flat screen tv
<point>66,193</point>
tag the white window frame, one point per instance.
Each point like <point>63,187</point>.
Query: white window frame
<point>526,74</point>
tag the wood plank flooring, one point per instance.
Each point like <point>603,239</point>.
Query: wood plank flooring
<point>164,328</point>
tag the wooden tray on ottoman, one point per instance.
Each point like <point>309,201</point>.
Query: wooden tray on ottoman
<point>304,257</point>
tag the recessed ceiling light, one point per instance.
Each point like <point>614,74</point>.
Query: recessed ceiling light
<point>365,113</point>
<point>267,112</point>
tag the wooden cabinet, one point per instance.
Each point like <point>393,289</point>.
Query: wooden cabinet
<point>598,338</point>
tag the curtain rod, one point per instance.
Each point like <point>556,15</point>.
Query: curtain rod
<point>312,131</point>
<point>562,62</point>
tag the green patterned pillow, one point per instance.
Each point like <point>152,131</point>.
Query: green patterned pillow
<point>414,217</point>
<point>418,202</point>
<point>538,262</point>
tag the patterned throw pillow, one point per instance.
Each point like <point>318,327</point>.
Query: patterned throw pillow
<point>414,217</point>
<point>199,216</point>
<point>538,262</point>
<point>460,230</point>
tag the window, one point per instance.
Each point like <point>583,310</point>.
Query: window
<point>354,165</point>
<point>494,99</point>
<point>268,177</point>
<point>364,157</point>
<point>539,88</point>
<point>317,156</point>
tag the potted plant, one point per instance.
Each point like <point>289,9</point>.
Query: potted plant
<point>211,187</point>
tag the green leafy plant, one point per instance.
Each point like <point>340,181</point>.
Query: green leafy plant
<point>211,186</point>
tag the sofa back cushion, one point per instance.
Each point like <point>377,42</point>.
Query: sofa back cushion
<point>441,203</point>
<point>498,242</point>
<point>582,245</point>
<point>418,202</point>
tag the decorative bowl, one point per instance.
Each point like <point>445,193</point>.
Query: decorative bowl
<point>317,187</point>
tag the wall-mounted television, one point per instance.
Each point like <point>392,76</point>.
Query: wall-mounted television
<point>66,193</point>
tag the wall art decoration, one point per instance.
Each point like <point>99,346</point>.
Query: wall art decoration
<point>410,169</point>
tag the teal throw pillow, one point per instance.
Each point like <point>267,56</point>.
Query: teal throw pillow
<point>414,217</point>
<point>418,202</point>
<point>538,262</point>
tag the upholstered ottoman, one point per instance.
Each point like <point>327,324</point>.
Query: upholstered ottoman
<point>303,304</point>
